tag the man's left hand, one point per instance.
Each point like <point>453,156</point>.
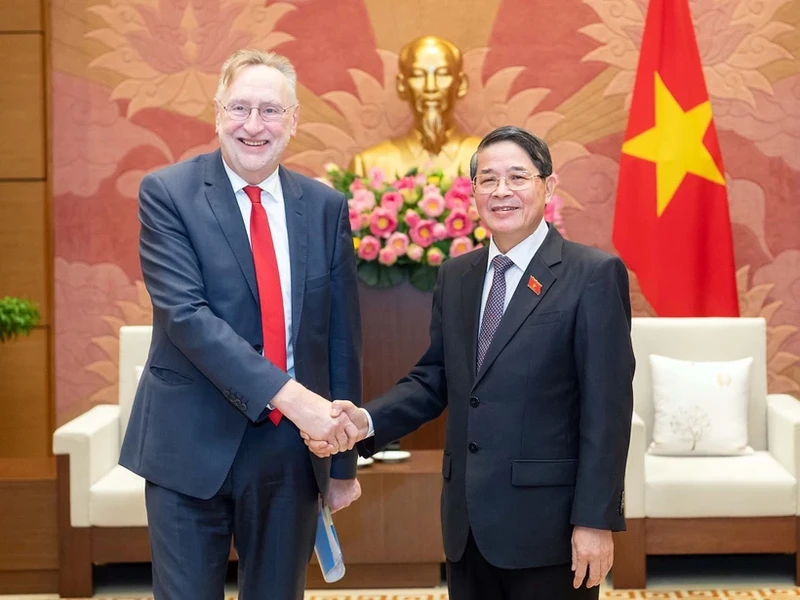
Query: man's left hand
<point>592,555</point>
<point>342,493</point>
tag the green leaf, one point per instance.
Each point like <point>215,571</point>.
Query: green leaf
<point>423,277</point>
<point>17,316</point>
<point>377,275</point>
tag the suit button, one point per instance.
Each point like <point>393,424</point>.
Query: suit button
<point>473,447</point>
<point>473,402</point>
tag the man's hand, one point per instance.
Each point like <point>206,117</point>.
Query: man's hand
<point>342,493</point>
<point>356,415</point>
<point>592,552</point>
<point>313,415</point>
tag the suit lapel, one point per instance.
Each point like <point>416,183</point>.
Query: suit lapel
<point>524,301</point>
<point>297,228</point>
<point>472,288</point>
<point>220,196</point>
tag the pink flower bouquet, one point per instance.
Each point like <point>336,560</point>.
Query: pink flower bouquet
<point>406,228</point>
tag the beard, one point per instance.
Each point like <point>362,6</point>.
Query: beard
<point>434,132</point>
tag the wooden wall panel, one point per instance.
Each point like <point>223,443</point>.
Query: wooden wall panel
<point>394,325</point>
<point>21,15</point>
<point>24,249</point>
<point>25,408</point>
<point>22,107</point>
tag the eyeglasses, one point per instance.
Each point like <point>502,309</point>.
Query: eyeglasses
<point>516,181</point>
<point>268,112</point>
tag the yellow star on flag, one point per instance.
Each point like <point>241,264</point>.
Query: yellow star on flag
<point>675,144</point>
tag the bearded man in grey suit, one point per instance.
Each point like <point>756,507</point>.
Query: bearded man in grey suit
<point>530,350</point>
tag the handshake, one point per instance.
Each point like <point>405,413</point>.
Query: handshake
<point>346,424</point>
<point>326,427</point>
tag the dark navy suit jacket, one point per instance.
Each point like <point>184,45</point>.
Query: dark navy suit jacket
<point>205,377</point>
<point>537,440</point>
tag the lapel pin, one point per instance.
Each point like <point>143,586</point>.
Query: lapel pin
<point>534,285</point>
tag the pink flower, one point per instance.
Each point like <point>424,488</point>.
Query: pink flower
<point>412,217</point>
<point>405,183</point>
<point>376,178</point>
<point>363,200</point>
<point>455,199</point>
<point>460,245</point>
<point>382,222</point>
<point>356,185</point>
<point>458,224</point>
<point>364,218</point>
<point>369,248</point>
<point>472,213</point>
<point>420,179</point>
<point>387,256</point>
<point>415,252</point>
<point>392,201</point>
<point>463,186</point>
<point>432,203</point>
<point>435,257</point>
<point>355,219</point>
<point>422,233</point>
<point>398,242</point>
<point>439,231</point>
<point>552,212</point>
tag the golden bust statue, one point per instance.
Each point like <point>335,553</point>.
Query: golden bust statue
<point>430,78</point>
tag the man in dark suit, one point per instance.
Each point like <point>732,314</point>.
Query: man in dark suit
<point>256,326</point>
<point>530,350</point>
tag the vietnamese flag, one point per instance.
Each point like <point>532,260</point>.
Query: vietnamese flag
<point>671,224</point>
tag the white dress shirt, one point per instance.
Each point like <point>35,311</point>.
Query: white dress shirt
<point>273,203</point>
<point>521,255</point>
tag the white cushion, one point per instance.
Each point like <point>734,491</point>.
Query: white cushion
<point>700,407</point>
<point>134,346</point>
<point>117,500</point>
<point>703,338</point>
<point>755,485</point>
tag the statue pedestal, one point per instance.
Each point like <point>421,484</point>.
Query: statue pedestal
<point>395,323</point>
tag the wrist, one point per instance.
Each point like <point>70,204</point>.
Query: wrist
<point>287,397</point>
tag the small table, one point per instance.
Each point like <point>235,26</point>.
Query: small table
<point>392,536</point>
<point>29,540</point>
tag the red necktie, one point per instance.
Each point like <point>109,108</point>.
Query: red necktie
<point>268,278</point>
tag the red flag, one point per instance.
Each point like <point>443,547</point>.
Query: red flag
<point>671,223</point>
<point>534,285</point>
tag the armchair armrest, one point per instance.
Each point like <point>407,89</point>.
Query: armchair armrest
<point>92,443</point>
<point>634,470</point>
<point>783,434</point>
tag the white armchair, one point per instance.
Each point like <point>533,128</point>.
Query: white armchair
<point>709,504</point>
<point>102,514</point>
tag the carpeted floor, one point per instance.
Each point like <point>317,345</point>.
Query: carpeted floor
<point>760,594</point>
<point>441,594</point>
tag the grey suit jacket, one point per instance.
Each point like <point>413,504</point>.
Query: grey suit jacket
<point>205,377</point>
<point>537,441</point>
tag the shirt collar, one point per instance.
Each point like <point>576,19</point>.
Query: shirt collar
<point>271,184</point>
<point>522,254</point>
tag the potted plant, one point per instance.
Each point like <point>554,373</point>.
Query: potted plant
<point>17,316</point>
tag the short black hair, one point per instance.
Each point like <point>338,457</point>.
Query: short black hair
<point>533,145</point>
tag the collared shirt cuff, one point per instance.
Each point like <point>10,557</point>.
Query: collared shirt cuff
<point>370,426</point>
